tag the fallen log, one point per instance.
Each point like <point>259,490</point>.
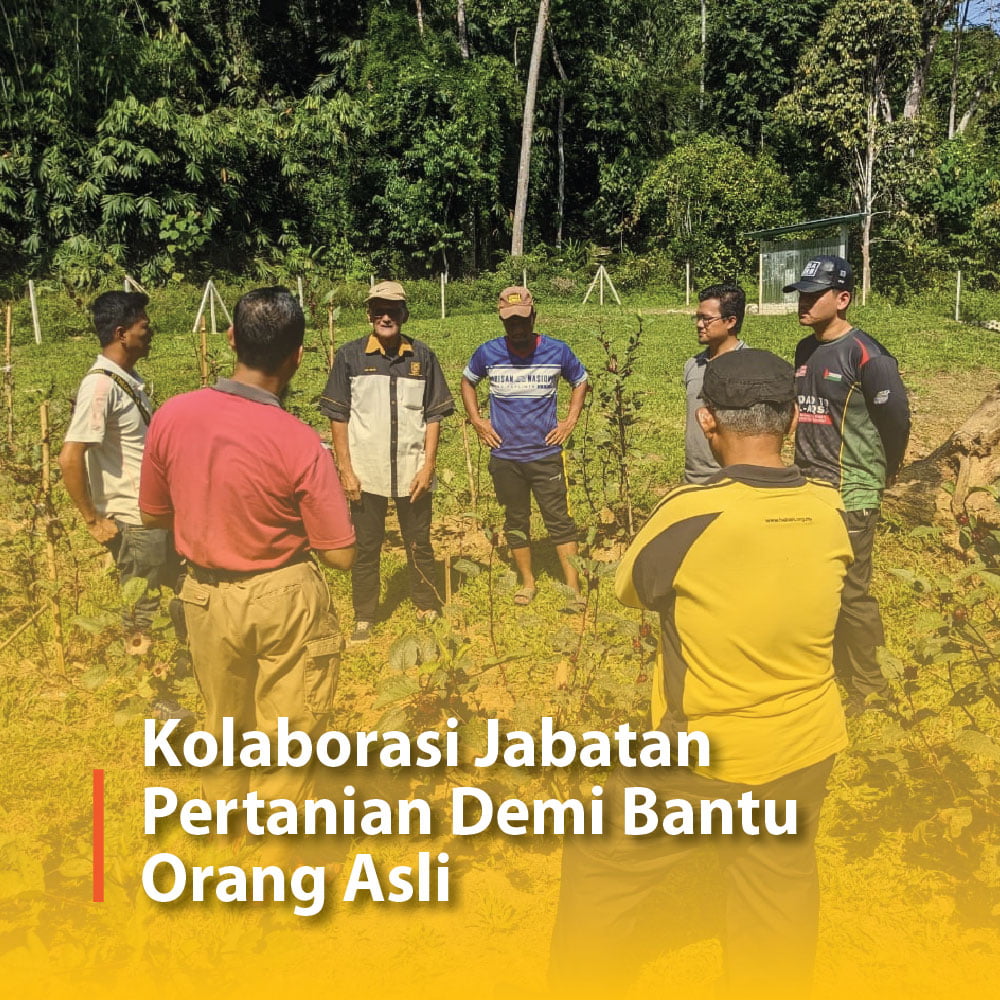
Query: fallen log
<point>945,488</point>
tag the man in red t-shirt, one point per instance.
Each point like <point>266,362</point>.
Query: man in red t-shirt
<point>250,491</point>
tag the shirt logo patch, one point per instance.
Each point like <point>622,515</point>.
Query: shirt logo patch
<point>881,397</point>
<point>415,369</point>
<point>832,376</point>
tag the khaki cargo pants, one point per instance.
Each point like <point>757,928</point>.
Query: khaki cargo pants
<point>264,647</point>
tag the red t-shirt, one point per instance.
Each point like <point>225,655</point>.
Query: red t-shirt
<point>250,486</point>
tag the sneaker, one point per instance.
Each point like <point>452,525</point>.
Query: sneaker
<point>138,643</point>
<point>165,709</point>
<point>428,616</point>
<point>362,633</point>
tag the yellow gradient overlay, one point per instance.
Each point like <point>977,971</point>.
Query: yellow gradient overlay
<point>885,931</point>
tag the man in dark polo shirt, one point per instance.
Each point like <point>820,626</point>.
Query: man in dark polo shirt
<point>854,422</point>
<point>385,399</point>
<point>746,574</point>
<point>250,491</point>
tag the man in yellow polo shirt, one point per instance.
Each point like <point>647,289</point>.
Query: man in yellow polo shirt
<point>746,573</point>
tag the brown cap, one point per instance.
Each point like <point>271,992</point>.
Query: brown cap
<point>387,291</point>
<point>515,301</point>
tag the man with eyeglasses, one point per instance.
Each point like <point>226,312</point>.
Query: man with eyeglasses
<point>717,322</point>
<point>385,399</point>
<point>854,423</point>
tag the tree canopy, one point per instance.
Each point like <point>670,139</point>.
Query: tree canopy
<point>171,137</point>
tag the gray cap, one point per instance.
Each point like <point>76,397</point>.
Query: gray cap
<point>824,272</point>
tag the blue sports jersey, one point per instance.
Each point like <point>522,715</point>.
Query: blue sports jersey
<point>524,392</point>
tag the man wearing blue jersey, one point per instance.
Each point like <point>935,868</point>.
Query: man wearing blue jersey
<point>524,433</point>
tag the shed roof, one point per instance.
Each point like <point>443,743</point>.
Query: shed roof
<point>834,220</point>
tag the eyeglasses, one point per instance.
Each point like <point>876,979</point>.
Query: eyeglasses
<point>393,312</point>
<point>699,318</point>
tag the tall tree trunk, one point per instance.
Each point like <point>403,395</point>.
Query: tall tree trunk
<point>704,36</point>
<point>463,47</point>
<point>463,34</point>
<point>970,110</point>
<point>560,141</point>
<point>933,15</point>
<point>865,186</point>
<point>956,56</point>
<point>420,18</point>
<point>527,129</point>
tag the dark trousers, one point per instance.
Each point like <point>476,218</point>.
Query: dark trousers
<point>515,482</point>
<point>859,630</point>
<point>771,888</point>
<point>145,554</point>
<point>368,515</point>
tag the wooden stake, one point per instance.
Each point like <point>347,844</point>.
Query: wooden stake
<point>20,628</point>
<point>50,549</point>
<point>442,294</point>
<point>222,304</point>
<point>447,579</point>
<point>687,283</point>
<point>468,468</point>
<point>204,355</point>
<point>331,328</point>
<point>8,377</point>
<point>34,313</point>
<point>958,297</point>
<point>201,309</point>
<point>211,311</point>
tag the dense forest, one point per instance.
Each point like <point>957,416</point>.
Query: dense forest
<point>174,137</point>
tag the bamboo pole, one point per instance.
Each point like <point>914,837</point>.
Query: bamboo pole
<point>958,297</point>
<point>34,313</point>
<point>302,298</point>
<point>211,311</point>
<point>687,283</point>
<point>8,376</point>
<point>442,294</point>
<point>468,466</point>
<point>50,548</point>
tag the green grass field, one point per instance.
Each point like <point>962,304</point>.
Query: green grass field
<point>908,848</point>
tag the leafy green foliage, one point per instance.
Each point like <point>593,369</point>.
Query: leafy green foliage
<point>699,199</point>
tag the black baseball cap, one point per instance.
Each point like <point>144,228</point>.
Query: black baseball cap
<point>824,272</point>
<point>740,379</point>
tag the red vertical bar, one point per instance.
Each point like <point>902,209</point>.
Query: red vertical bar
<point>98,878</point>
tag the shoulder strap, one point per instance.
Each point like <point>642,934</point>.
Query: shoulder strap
<point>127,388</point>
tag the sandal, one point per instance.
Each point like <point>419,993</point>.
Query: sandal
<point>524,596</point>
<point>577,606</point>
